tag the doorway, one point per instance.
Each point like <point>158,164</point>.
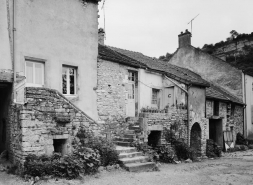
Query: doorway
<point>216,131</point>
<point>154,138</point>
<point>168,96</point>
<point>195,141</point>
<point>132,91</point>
<point>5,99</point>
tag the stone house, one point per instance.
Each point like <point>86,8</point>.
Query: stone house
<point>213,69</point>
<point>48,74</point>
<point>159,95</point>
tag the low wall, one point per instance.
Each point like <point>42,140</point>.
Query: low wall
<point>175,119</point>
<point>45,117</point>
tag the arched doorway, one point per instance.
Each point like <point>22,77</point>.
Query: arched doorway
<point>195,140</point>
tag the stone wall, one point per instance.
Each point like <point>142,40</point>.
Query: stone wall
<point>111,101</point>
<point>111,90</point>
<point>230,121</point>
<point>46,116</point>
<point>175,119</point>
<point>14,133</point>
<point>237,120</point>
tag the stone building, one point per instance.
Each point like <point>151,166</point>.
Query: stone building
<point>48,74</point>
<point>211,68</point>
<point>160,95</point>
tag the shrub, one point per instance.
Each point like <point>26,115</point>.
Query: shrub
<point>166,154</point>
<point>183,151</point>
<point>240,140</point>
<point>83,160</point>
<point>106,149</point>
<point>212,149</point>
<point>35,166</point>
<point>170,136</point>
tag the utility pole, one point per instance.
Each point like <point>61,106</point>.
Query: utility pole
<point>191,22</point>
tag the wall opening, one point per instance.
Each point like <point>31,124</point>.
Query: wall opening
<point>154,138</point>
<point>60,146</point>
<point>195,140</point>
<point>216,131</point>
<point>5,99</point>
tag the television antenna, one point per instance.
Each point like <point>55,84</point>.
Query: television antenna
<point>103,7</point>
<point>191,22</point>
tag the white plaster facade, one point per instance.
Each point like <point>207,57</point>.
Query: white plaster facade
<point>5,53</point>
<point>56,33</point>
<point>249,105</point>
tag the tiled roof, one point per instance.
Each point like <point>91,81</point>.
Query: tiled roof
<point>178,73</point>
<point>107,53</point>
<point>175,72</point>
<point>217,92</point>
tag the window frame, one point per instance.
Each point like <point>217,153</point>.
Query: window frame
<point>216,108</point>
<point>152,96</point>
<point>33,61</point>
<point>68,81</point>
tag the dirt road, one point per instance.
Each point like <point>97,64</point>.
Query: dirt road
<point>232,169</point>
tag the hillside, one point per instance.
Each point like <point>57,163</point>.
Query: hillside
<point>237,50</point>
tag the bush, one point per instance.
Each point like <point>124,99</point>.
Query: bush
<point>212,149</point>
<point>37,165</point>
<point>166,154</point>
<point>183,151</point>
<point>240,140</point>
<point>83,160</point>
<point>106,149</point>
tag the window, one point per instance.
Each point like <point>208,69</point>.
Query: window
<point>216,108</point>
<point>34,72</point>
<point>68,80</point>
<point>155,96</point>
<point>131,76</point>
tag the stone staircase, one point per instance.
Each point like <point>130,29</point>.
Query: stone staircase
<point>131,159</point>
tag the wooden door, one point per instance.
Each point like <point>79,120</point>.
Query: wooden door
<point>168,96</point>
<point>130,86</point>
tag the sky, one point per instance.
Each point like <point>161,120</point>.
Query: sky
<point>152,26</point>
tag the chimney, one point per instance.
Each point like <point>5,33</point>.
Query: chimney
<point>101,36</point>
<point>184,39</point>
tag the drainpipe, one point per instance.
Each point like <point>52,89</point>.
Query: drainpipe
<point>13,50</point>
<point>245,110</point>
<point>188,115</point>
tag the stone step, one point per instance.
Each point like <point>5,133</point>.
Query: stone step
<point>137,167</point>
<point>122,149</point>
<point>129,135</point>
<point>132,119</point>
<point>122,143</point>
<point>129,132</point>
<point>130,155</point>
<point>137,159</point>
<point>134,127</point>
<point>126,139</point>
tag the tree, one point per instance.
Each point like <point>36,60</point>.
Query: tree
<point>166,57</point>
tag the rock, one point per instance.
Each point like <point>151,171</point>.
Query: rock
<point>36,179</point>
<point>101,168</point>
<point>244,147</point>
<point>250,146</point>
<point>3,154</point>
<point>109,168</point>
<point>188,161</point>
<point>176,162</point>
<point>237,148</point>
